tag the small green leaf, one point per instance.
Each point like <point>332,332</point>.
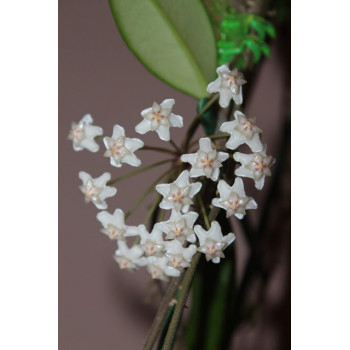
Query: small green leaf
<point>172,39</point>
<point>255,48</point>
<point>269,28</point>
<point>260,29</point>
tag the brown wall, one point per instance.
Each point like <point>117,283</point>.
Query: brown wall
<point>100,306</point>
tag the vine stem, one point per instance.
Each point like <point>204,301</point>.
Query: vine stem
<point>139,171</point>
<point>185,289</point>
<point>162,312</point>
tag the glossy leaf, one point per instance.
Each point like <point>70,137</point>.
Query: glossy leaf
<point>172,39</point>
<point>208,118</point>
<point>218,307</point>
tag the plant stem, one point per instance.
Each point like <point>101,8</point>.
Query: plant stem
<point>140,200</point>
<point>162,313</point>
<point>159,149</point>
<point>154,206</point>
<point>213,137</point>
<point>175,146</point>
<point>196,122</point>
<point>139,171</point>
<point>205,216</point>
<point>185,289</point>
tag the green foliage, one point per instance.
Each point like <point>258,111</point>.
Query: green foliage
<point>172,39</point>
<point>238,31</point>
<point>218,10</point>
<point>208,118</point>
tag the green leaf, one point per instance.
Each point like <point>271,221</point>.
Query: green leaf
<point>218,307</point>
<point>172,39</point>
<point>208,118</point>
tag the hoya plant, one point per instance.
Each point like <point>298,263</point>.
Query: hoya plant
<point>189,226</point>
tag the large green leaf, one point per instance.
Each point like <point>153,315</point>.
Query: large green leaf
<point>173,39</point>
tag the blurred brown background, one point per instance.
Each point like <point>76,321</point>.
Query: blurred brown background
<point>100,306</point>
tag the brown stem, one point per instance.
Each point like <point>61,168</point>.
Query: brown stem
<point>162,313</point>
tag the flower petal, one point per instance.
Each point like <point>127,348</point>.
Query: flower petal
<point>196,172</point>
<point>223,69</point>
<point>189,158</point>
<point>168,103</point>
<point>118,131</point>
<point>89,144</point>
<point>238,187</point>
<point>225,97</point>
<point>214,86</point>
<point>133,144</point>
<point>143,127</point>
<point>215,174</point>
<point>183,179</point>
<point>195,188</point>
<point>163,189</point>
<point>132,160</point>
<point>255,143</point>
<point>163,133</point>
<point>205,144</point>
<point>238,98</point>
<point>176,121</point>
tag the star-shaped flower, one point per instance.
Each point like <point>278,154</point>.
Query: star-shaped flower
<point>95,190</point>
<point>128,258</point>
<point>255,166</point>
<point>233,199</point>
<point>114,226</point>
<point>121,149</point>
<point>212,242</point>
<point>159,269</point>
<point>178,194</point>
<point>159,118</point>
<point>229,84</point>
<point>179,226</point>
<point>179,257</point>
<point>242,130</point>
<point>151,243</point>
<point>83,134</point>
<point>206,161</point>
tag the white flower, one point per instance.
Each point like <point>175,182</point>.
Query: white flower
<point>114,226</point>
<point>229,84</point>
<point>212,242</point>
<point>121,149</point>
<point>159,118</point>
<point>83,134</point>
<point>95,190</point>
<point>242,130</point>
<point>179,226</point>
<point>179,257</point>
<point>255,166</point>
<point>206,161</point>
<point>151,243</point>
<point>159,269</point>
<point>233,199</point>
<point>178,194</point>
<point>129,259</point>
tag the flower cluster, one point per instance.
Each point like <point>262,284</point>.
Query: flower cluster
<point>170,245</point>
